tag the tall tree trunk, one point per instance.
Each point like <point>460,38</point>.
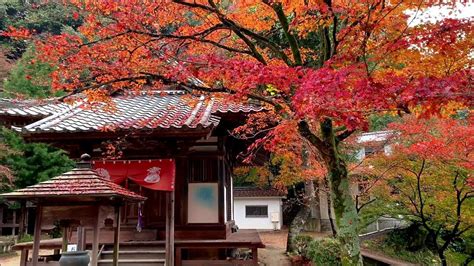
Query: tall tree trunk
<point>345,210</point>
<point>442,257</point>
<point>304,214</point>
<point>344,206</point>
<point>297,225</point>
<point>331,220</point>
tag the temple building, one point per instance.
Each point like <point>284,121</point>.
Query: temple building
<point>172,151</point>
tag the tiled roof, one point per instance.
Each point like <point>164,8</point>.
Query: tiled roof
<point>78,182</point>
<point>252,192</point>
<point>168,109</point>
<point>31,108</point>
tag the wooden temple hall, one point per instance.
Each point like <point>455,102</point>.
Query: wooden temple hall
<point>167,198</point>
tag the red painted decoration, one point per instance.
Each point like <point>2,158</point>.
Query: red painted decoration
<point>151,174</point>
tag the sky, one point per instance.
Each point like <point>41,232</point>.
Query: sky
<point>436,13</point>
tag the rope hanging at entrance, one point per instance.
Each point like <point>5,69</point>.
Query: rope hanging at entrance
<point>140,218</point>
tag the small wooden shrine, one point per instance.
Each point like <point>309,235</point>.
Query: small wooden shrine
<point>78,198</point>
<point>172,148</point>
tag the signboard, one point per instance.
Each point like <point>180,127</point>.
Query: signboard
<point>203,203</point>
<point>151,174</point>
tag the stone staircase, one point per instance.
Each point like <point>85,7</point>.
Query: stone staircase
<point>145,253</point>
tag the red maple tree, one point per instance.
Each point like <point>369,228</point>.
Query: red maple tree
<point>321,67</point>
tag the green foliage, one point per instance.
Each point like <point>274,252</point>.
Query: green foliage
<point>37,161</point>
<point>380,122</point>
<point>29,78</point>
<point>325,251</point>
<point>397,245</point>
<point>412,238</point>
<point>26,238</point>
<point>301,244</point>
<point>43,17</point>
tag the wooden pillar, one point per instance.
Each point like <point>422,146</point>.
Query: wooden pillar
<point>65,238</point>
<point>116,235</point>
<point>172,229</point>
<point>21,226</point>
<point>178,261</point>
<point>2,209</point>
<point>14,223</point>
<point>37,234</point>
<point>81,238</point>
<point>95,241</point>
<point>24,257</point>
<point>167,229</point>
<point>255,255</point>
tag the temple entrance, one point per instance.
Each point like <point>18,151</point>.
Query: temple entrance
<point>153,210</point>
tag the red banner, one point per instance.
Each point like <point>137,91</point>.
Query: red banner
<point>152,174</point>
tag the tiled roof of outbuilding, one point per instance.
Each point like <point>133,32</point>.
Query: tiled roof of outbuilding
<point>77,182</point>
<point>165,109</point>
<point>31,108</point>
<point>252,192</point>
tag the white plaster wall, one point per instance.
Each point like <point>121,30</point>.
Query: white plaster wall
<point>274,205</point>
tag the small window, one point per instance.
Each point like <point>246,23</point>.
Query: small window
<point>370,150</point>
<point>256,211</point>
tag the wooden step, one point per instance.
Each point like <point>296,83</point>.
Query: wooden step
<point>133,262</point>
<point>135,251</point>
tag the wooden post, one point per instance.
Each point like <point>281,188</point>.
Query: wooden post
<point>167,229</point>
<point>81,238</point>
<point>37,234</point>
<point>95,241</point>
<point>14,223</point>
<point>24,257</point>
<point>255,255</point>
<point>172,230</point>
<point>65,238</point>
<point>178,256</point>
<point>21,226</point>
<point>116,235</point>
<point>2,209</point>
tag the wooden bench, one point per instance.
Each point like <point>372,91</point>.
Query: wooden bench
<point>242,239</point>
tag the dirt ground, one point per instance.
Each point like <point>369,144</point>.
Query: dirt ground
<point>274,252</point>
<point>13,259</point>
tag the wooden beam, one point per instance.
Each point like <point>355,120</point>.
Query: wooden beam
<point>37,234</point>
<point>95,241</point>
<point>116,235</point>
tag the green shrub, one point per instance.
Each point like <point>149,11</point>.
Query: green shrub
<point>325,251</point>
<point>26,238</point>
<point>301,244</point>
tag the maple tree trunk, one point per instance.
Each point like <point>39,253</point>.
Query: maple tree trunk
<point>345,211</point>
<point>331,221</point>
<point>296,226</point>
<point>304,214</point>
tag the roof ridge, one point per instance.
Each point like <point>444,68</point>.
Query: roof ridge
<point>44,122</point>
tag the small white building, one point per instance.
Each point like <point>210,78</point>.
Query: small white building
<point>257,208</point>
